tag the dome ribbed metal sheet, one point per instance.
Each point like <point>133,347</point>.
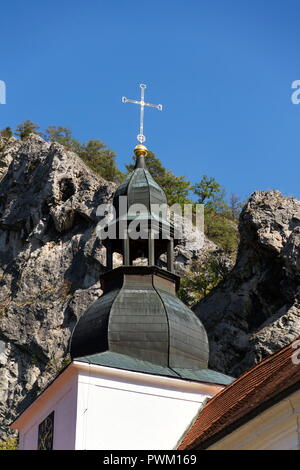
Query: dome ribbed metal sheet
<point>139,315</point>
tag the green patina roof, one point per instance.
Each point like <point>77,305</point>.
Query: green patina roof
<point>139,315</point>
<point>124,362</point>
<point>141,188</point>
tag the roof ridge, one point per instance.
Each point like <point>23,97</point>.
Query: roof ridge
<point>216,410</point>
<point>256,366</point>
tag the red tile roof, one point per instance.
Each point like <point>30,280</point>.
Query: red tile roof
<point>251,390</point>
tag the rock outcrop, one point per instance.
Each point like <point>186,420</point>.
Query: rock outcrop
<point>256,310</point>
<point>50,262</point>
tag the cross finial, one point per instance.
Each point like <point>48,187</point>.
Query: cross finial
<point>141,138</point>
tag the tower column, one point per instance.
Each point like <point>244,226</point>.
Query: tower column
<point>170,255</point>
<point>151,249</point>
<point>126,253</point>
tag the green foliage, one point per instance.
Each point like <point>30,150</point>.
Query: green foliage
<point>26,128</point>
<point>220,216</point>
<point>101,160</point>
<point>66,361</point>
<point>210,193</point>
<point>94,152</point>
<point>11,443</point>
<point>62,135</point>
<point>6,133</point>
<point>219,228</point>
<point>220,219</point>
<point>201,278</point>
<point>177,188</point>
<point>5,136</point>
<point>220,223</point>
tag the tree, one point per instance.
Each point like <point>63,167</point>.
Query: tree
<point>210,193</point>
<point>202,277</point>
<point>6,133</point>
<point>93,152</point>
<point>219,225</point>
<point>221,230</point>
<point>101,160</point>
<point>177,188</point>
<point>235,206</point>
<point>62,135</point>
<point>26,128</point>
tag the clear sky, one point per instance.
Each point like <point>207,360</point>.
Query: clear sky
<point>222,69</point>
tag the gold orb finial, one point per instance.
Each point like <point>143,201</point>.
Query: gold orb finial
<point>140,150</point>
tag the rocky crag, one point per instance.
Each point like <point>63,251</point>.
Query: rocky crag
<point>256,310</point>
<point>50,262</point>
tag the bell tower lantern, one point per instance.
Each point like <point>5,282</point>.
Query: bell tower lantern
<point>141,206</point>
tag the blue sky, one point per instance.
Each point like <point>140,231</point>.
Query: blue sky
<point>222,69</point>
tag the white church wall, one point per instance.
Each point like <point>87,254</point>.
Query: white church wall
<point>98,407</point>
<point>276,428</point>
<point>60,397</point>
<point>126,410</point>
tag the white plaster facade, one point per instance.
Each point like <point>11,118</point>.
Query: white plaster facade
<point>99,408</point>
<point>276,428</point>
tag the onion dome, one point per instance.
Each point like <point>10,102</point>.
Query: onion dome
<point>140,187</point>
<point>139,315</point>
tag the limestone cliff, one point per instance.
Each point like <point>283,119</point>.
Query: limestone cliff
<point>256,310</point>
<point>50,262</point>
